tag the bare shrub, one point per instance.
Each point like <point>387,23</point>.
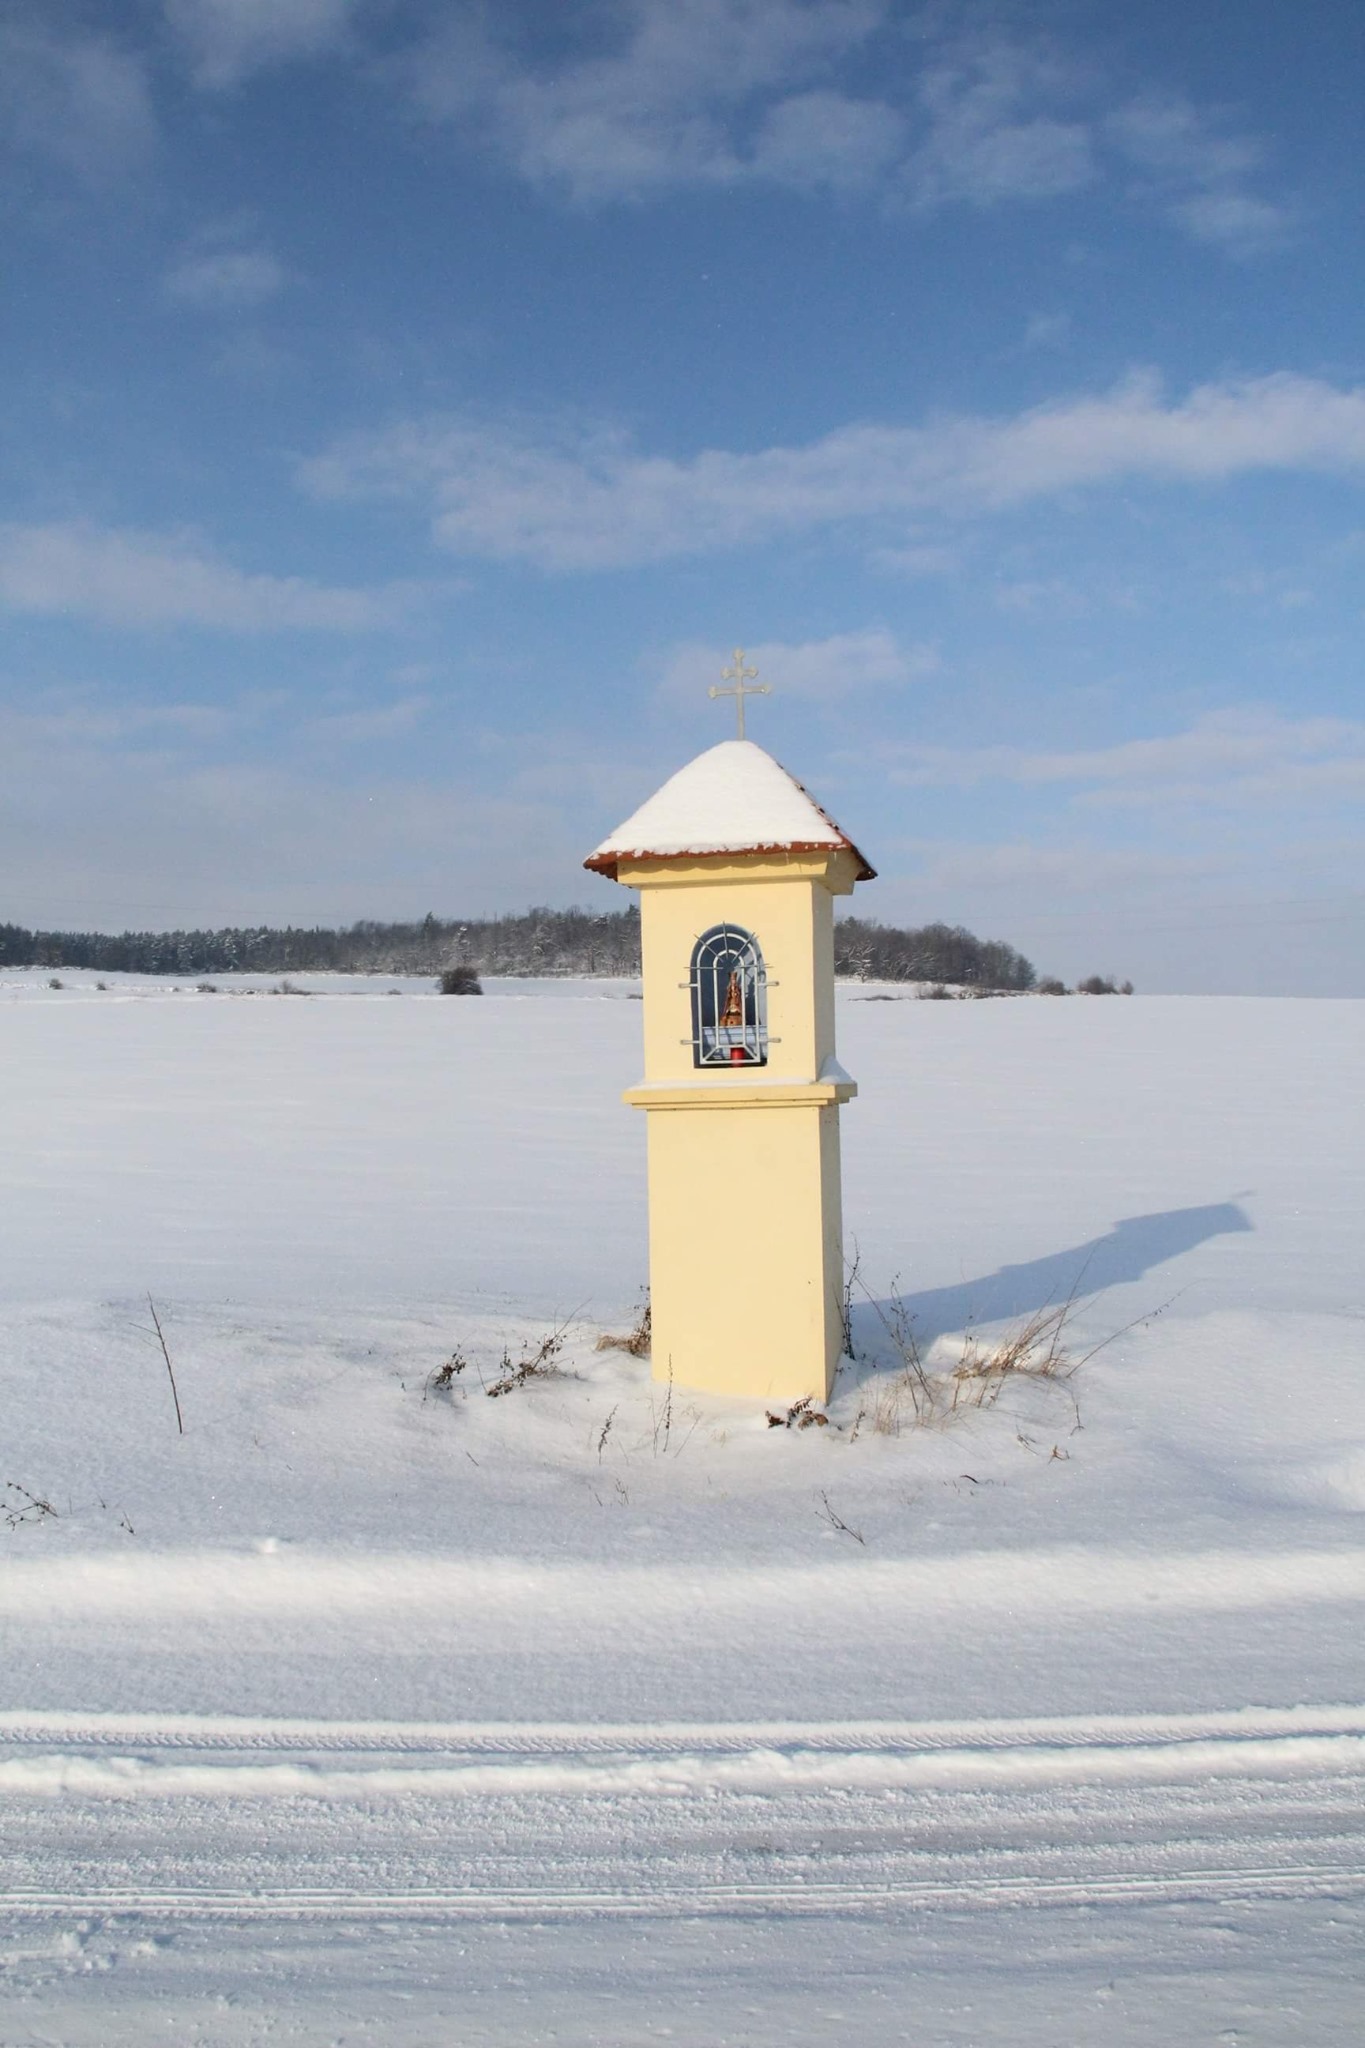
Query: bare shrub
<point>542,1364</point>
<point>939,993</point>
<point>1033,1350</point>
<point>1050,986</point>
<point>460,981</point>
<point>18,1505</point>
<point>1097,985</point>
<point>916,1396</point>
<point>442,1379</point>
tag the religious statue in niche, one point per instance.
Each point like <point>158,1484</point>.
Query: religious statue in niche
<point>729,999</point>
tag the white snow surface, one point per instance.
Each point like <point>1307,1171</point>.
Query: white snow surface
<point>373,1709</point>
<point>732,798</point>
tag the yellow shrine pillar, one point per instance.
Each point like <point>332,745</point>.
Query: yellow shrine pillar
<point>737,869</point>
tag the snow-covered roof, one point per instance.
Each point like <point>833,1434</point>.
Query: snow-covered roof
<point>732,799</point>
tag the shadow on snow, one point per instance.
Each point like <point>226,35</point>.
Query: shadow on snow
<point>1131,1249</point>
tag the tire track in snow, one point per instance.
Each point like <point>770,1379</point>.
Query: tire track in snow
<point>123,1756</point>
<point>38,1727</point>
<point>760,1770</point>
<point>1279,1882</point>
<point>115,1814</point>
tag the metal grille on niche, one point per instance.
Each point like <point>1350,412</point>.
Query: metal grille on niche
<point>729,999</point>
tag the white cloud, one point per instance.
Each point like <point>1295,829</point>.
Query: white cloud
<point>668,103</point>
<point>815,139</point>
<point>593,501</point>
<point>1169,138</point>
<point>225,280</point>
<point>126,577</point>
<point>1036,873</point>
<point>919,559</point>
<point>1234,221</point>
<point>1047,330</point>
<point>363,726</point>
<point>75,97</point>
<point>72,720</point>
<point>226,40</point>
<point>648,96</point>
<point>823,670</point>
<point>715,92</point>
<point>1198,172</point>
<point>992,128</point>
<point>1051,597</point>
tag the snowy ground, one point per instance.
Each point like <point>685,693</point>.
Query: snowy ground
<point>367,1711</point>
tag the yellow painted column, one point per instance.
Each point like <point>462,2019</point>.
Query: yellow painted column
<point>745,1224</point>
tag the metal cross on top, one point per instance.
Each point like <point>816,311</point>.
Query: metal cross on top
<point>739,677</point>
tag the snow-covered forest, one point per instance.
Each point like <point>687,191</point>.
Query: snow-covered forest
<point>536,942</point>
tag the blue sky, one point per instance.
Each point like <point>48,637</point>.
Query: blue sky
<point>409,404</point>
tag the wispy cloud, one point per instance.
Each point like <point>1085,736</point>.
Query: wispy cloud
<point>218,273</point>
<point>375,722</point>
<point>665,101</point>
<point>999,120</point>
<point>74,96</point>
<point>595,501</point>
<point>822,670</point>
<point>126,577</point>
<point>75,719</point>
<point>1237,756</point>
<point>825,139</point>
<point>225,41</point>
<point>1024,871</point>
<point>651,96</point>
<point>1198,171</point>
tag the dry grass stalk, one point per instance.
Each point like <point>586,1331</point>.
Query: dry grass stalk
<point>637,1342</point>
<point>838,1523</point>
<point>914,1397</point>
<point>663,1419</point>
<point>442,1380</point>
<point>170,1369</point>
<point>542,1364</point>
<point>1034,1350</point>
<point>911,1391</point>
<point>18,1505</point>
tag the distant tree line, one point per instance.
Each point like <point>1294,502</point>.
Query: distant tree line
<point>548,942</point>
<point>868,951</point>
<point>535,942</point>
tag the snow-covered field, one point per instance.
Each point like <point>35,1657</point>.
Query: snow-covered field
<point>370,1710</point>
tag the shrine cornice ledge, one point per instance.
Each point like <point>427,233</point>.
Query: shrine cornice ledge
<point>712,1092</point>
